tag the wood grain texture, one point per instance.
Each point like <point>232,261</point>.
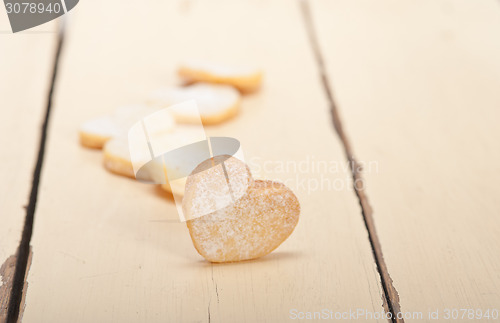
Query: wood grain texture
<point>25,67</point>
<point>417,86</point>
<point>108,249</point>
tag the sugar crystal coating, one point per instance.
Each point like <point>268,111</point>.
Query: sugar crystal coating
<point>214,184</point>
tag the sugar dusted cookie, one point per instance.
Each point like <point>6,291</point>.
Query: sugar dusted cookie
<point>95,133</point>
<point>117,158</point>
<point>251,227</point>
<point>245,79</point>
<point>216,103</point>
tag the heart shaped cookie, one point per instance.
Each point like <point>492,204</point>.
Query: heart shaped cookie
<point>245,79</point>
<point>117,158</point>
<point>251,227</point>
<point>95,133</point>
<point>216,103</point>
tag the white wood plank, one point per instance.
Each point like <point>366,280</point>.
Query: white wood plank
<point>104,247</point>
<point>417,85</point>
<point>25,70</point>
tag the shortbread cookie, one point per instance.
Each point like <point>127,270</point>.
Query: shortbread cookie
<point>251,227</point>
<point>117,158</point>
<point>96,132</point>
<point>216,103</point>
<point>245,79</point>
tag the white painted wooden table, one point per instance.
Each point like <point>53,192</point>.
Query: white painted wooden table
<point>413,90</point>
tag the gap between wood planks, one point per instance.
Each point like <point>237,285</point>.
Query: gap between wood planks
<point>391,296</point>
<point>24,250</point>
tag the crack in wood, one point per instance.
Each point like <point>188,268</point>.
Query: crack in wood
<point>215,284</point>
<point>24,250</point>
<point>390,295</point>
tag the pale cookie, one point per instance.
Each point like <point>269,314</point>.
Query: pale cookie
<point>245,79</point>
<point>96,132</point>
<point>216,103</point>
<point>117,159</point>
<point>252,227</point>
